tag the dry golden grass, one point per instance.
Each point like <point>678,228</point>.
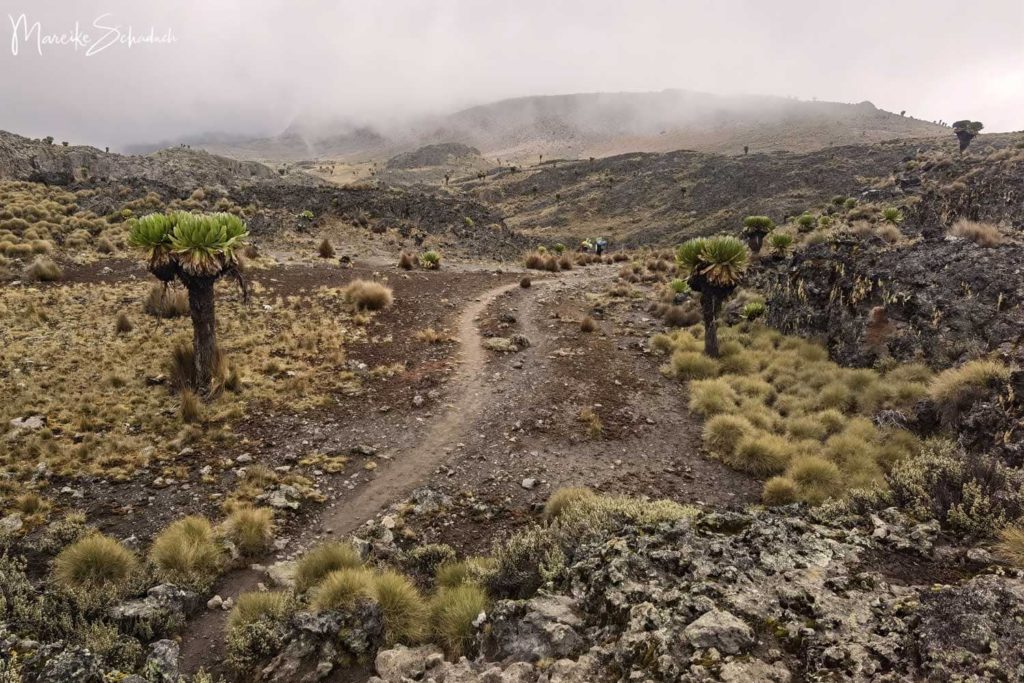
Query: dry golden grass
<point>981,233</point>
<point>1011,546</point>
<point>326,249</point>
<point>563,497</point>
<point>587,324</point>
<point>367,295</point>
<point>187,552</point>
<point>342,588</point>
<point>94,562</point>
<point>43,269</point>
<point>256,606</point>
<point>453,611</point>
<point>431,336</point>
<point>405,612</point>
<point>251,529</point>
<point>776,405</point>
<point>60,347</point>
<point>321,561</point>
<point>166,302</point>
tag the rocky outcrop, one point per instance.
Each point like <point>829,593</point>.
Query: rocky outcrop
<point>765,596</point>
<point>941,302</point>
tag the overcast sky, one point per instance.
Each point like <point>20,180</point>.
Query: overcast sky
<point>248,67</point>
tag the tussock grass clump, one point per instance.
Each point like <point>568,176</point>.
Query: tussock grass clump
<point>406,261</point>
<point>723,433</point>
<point>761,453</point>
<point>94,562</point>
<point>191,409</point>
<point>587,324</point>
<point>123,324</point>
<point>405,612</point>
<point>166,302</point>
<point>1010,547</point>
<point>525,283</point>
<point>955,389</point>
<point>251,529</point>
<point>681,316</point>
<point>816,479</point>
<point>473,570</point>
<point>430,260</point>
<point>688,365</point>
<point>712,396</point>
<point>321,561</point>
<point>367,295</point>
<point>43,269</point>
<point>779,491</point>
<point>343,588</point>
<point>776,404</point>
<point>187,552</point>
<point>563,497</point>
<point>258,606</point>
<point>326,249</point>
<point>452,613</point>
<point>983,234</point>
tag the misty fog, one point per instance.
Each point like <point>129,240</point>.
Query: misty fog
<point>253,69</point>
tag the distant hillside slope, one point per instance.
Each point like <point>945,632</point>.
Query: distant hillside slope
<point>182,169</point>
<point>644,198</point>
<point>600,124</point>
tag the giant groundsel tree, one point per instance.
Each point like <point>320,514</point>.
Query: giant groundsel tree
<point>197,249</point>
<point>714,267</point>
<point>965,131</point>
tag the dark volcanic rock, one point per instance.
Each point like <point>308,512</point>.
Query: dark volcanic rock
<point>941,302</point>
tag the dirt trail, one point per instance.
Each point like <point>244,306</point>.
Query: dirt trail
<point>202,641</point>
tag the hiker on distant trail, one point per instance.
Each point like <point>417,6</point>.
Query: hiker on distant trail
<point>585,245</point>
<point>600,245</point>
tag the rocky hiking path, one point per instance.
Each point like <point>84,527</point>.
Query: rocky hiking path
<point>201,644</point>
<point>510,433</point>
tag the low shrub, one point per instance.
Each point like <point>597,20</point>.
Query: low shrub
<point>326,249</point>
<point>974,495</point>
<point>587,324</point>
<point>255,628</point>
<point>525,283</point>
<point>406,261</point>
<point>431,260</point>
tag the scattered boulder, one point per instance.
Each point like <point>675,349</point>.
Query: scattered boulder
<point>162,612</point>
<point>720,630</point>
<point>162,662</point>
